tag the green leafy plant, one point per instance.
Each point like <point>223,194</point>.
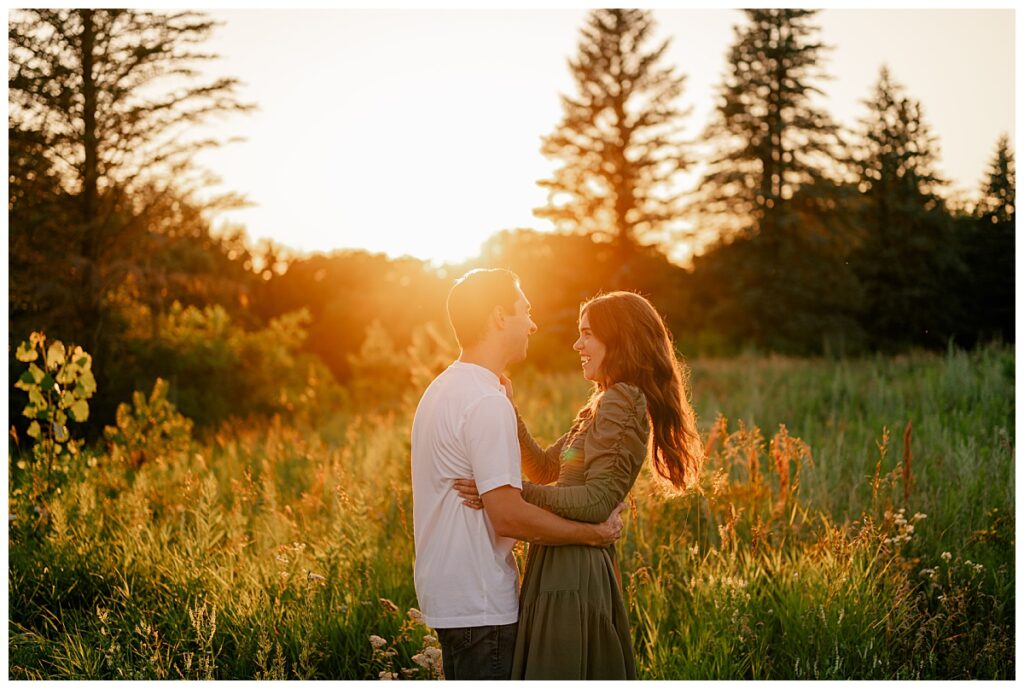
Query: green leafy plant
<point>148,429</point>
<point>59,383</point>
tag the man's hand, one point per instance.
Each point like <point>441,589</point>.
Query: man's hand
<point>610,529</point>
<point>466,488</point>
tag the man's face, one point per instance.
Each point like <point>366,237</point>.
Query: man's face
<point>518,327</point>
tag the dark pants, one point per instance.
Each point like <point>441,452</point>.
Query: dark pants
<point>478,652</point>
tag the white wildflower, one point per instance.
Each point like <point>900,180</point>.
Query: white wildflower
<point>978,567</point>
<point>416,616</point>
<point>433,653</point>
<point>947,556</point>
<point>422,660</point>
<point>384,674</point>
<point>428,639</point>
<point>377,642</point>
<point>918,516</point>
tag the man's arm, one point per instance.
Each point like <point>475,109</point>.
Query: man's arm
<point>513,517</point>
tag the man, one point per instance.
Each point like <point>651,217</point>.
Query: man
<point>466,577</point>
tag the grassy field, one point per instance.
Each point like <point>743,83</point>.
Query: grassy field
<point>855,521</point>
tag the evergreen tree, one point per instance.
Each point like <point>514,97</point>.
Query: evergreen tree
<point>769,139</point>
<point>617,139</point>
<point>777,276</point>
<point>996,205</point>
<point>907,260</point>
<point>86,101</point>
<point>988,251</point>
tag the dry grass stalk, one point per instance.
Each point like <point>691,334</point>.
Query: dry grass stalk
<point>908,475</point>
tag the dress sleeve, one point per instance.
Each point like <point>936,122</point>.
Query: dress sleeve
<point>541,465</point>
<point>614,451</point>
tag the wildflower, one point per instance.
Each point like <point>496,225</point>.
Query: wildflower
<point>388,605</point>
<point>433,653</point>
<point>968,563</point>
<point>947,556</point>
<point>422,660</point>
<point>428,639</point>
<point>416,616</point>
<point>978,567</point>
<point>918,516</point>
<point>377,642</point>
<point>408,672</point>
<point>384,674</point>
<point>313,576</point>
<point>929,573</point>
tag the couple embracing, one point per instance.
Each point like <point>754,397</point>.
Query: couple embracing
<point>470,448</point>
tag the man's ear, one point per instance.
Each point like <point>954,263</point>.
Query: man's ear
<point>498,317</point>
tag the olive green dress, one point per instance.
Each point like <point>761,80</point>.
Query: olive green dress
<point>572,619</point>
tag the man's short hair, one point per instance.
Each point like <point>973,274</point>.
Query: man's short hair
<point>473,297</point>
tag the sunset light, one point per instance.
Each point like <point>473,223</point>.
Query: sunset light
<point>588,344</point>
<point>419,131</point>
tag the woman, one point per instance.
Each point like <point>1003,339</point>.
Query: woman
<point>572,620</point>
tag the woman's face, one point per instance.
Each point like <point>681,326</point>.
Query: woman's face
<point>591,350</point>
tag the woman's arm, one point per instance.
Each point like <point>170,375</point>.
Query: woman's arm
<point>540,464</point>
<point>615,448</point>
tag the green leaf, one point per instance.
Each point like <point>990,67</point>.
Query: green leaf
<point>80,411</point>
<point>36,398</point>
<point>86,385</point>
<point>26,352</point>
<point>55,355</point>
<point>82,358</point>
<point>33,430</point>
<point>37,373</point>
<point>26,382</point>
<point>67,374</point>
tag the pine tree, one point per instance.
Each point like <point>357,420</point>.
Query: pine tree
<point>988,251</point>
<point>777,276</point>
<point>769,139</point>
<point>907,261</point>
<point>996,205</point>
<point>106,99</point>
<point>617,140</point>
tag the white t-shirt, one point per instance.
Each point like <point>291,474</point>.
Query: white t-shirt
<point>465,427</point>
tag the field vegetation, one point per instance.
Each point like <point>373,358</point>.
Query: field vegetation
<point>855,520</point>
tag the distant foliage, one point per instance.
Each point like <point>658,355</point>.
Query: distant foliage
<point>385,376</point>
<point>149,429</point>
<point>218,369</point>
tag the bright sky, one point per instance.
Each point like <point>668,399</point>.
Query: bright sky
<point>417,132</point>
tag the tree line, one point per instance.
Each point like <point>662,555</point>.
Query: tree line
<point>809,238</point>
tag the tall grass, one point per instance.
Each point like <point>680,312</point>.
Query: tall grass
<point>278,548</point>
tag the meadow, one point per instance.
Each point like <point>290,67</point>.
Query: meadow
<point>855,521</point>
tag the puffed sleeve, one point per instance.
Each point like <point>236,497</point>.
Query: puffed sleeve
<point>541,465</point>
<point>614,451</point>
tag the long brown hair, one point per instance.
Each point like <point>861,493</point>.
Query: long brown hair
<point>639,350</point>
